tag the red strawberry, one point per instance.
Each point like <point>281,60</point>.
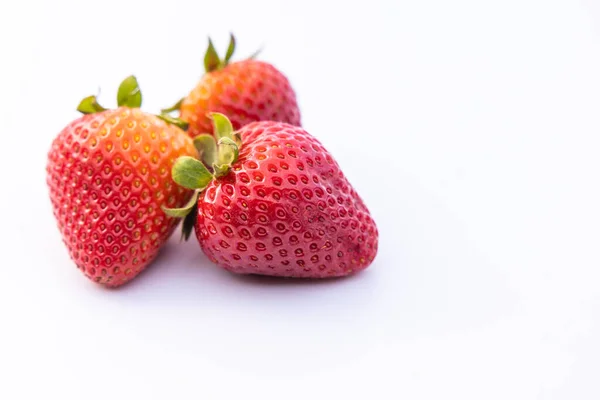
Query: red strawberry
<point>281,207</point>
<point>109,176</point>
<point>246,91</point>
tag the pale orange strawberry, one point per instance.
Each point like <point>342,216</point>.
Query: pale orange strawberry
<point>245,91</point>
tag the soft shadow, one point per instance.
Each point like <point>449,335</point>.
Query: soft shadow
<point>175,258</point>
<point>183,277</point>
<point>184,265</point>
<point>263,280</point>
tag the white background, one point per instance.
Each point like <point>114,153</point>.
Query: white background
<point>470,128</point>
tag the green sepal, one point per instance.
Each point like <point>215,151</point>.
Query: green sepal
<point>230,49</point>
<point>129,94</point>
<point>207,148</point>
<point>188,212</point>
<point>189,222</point>
<point>190,173</point>
<point>221,126</point>
<point>237,138</point>
<point>174,107</point>
<point>255,54</point>
<point>174,121</point>
<point>228,150</point>
<point>90,105</point>
<point>221,169</point>
<point>227,144</point>
<point>211,58</point>
<point>185,210</point>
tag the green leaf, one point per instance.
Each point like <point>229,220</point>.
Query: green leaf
<point>211,58</point>
<point>185,210</point>
<point>221,126</point>
<point>230,49</point>
<point>174,107</point>
<point>228,151</point>
<point>190,173</point>
<point>207,148</point>
<point>90,105</point>
<point>174,121</point>
<point>188,223</point>
<point>129,94</point>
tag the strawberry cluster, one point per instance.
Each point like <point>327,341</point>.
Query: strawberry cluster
<point>262,195</point>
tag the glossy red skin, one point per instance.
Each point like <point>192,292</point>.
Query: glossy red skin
<point>109,174</point>
<point>286,209</point>
<point>245,91</point>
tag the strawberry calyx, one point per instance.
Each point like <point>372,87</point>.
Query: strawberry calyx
<point>216,156</point>
<point>212,61</point>
<point>128,95</point>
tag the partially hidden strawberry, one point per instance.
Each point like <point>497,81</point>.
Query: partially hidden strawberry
<point>245,91</point>
<point>273,201</point>
<point>109,175</point>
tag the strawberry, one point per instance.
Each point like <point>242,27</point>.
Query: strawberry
<point>246,91</point>
<point>109,177</point>
<point>274,202</point>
